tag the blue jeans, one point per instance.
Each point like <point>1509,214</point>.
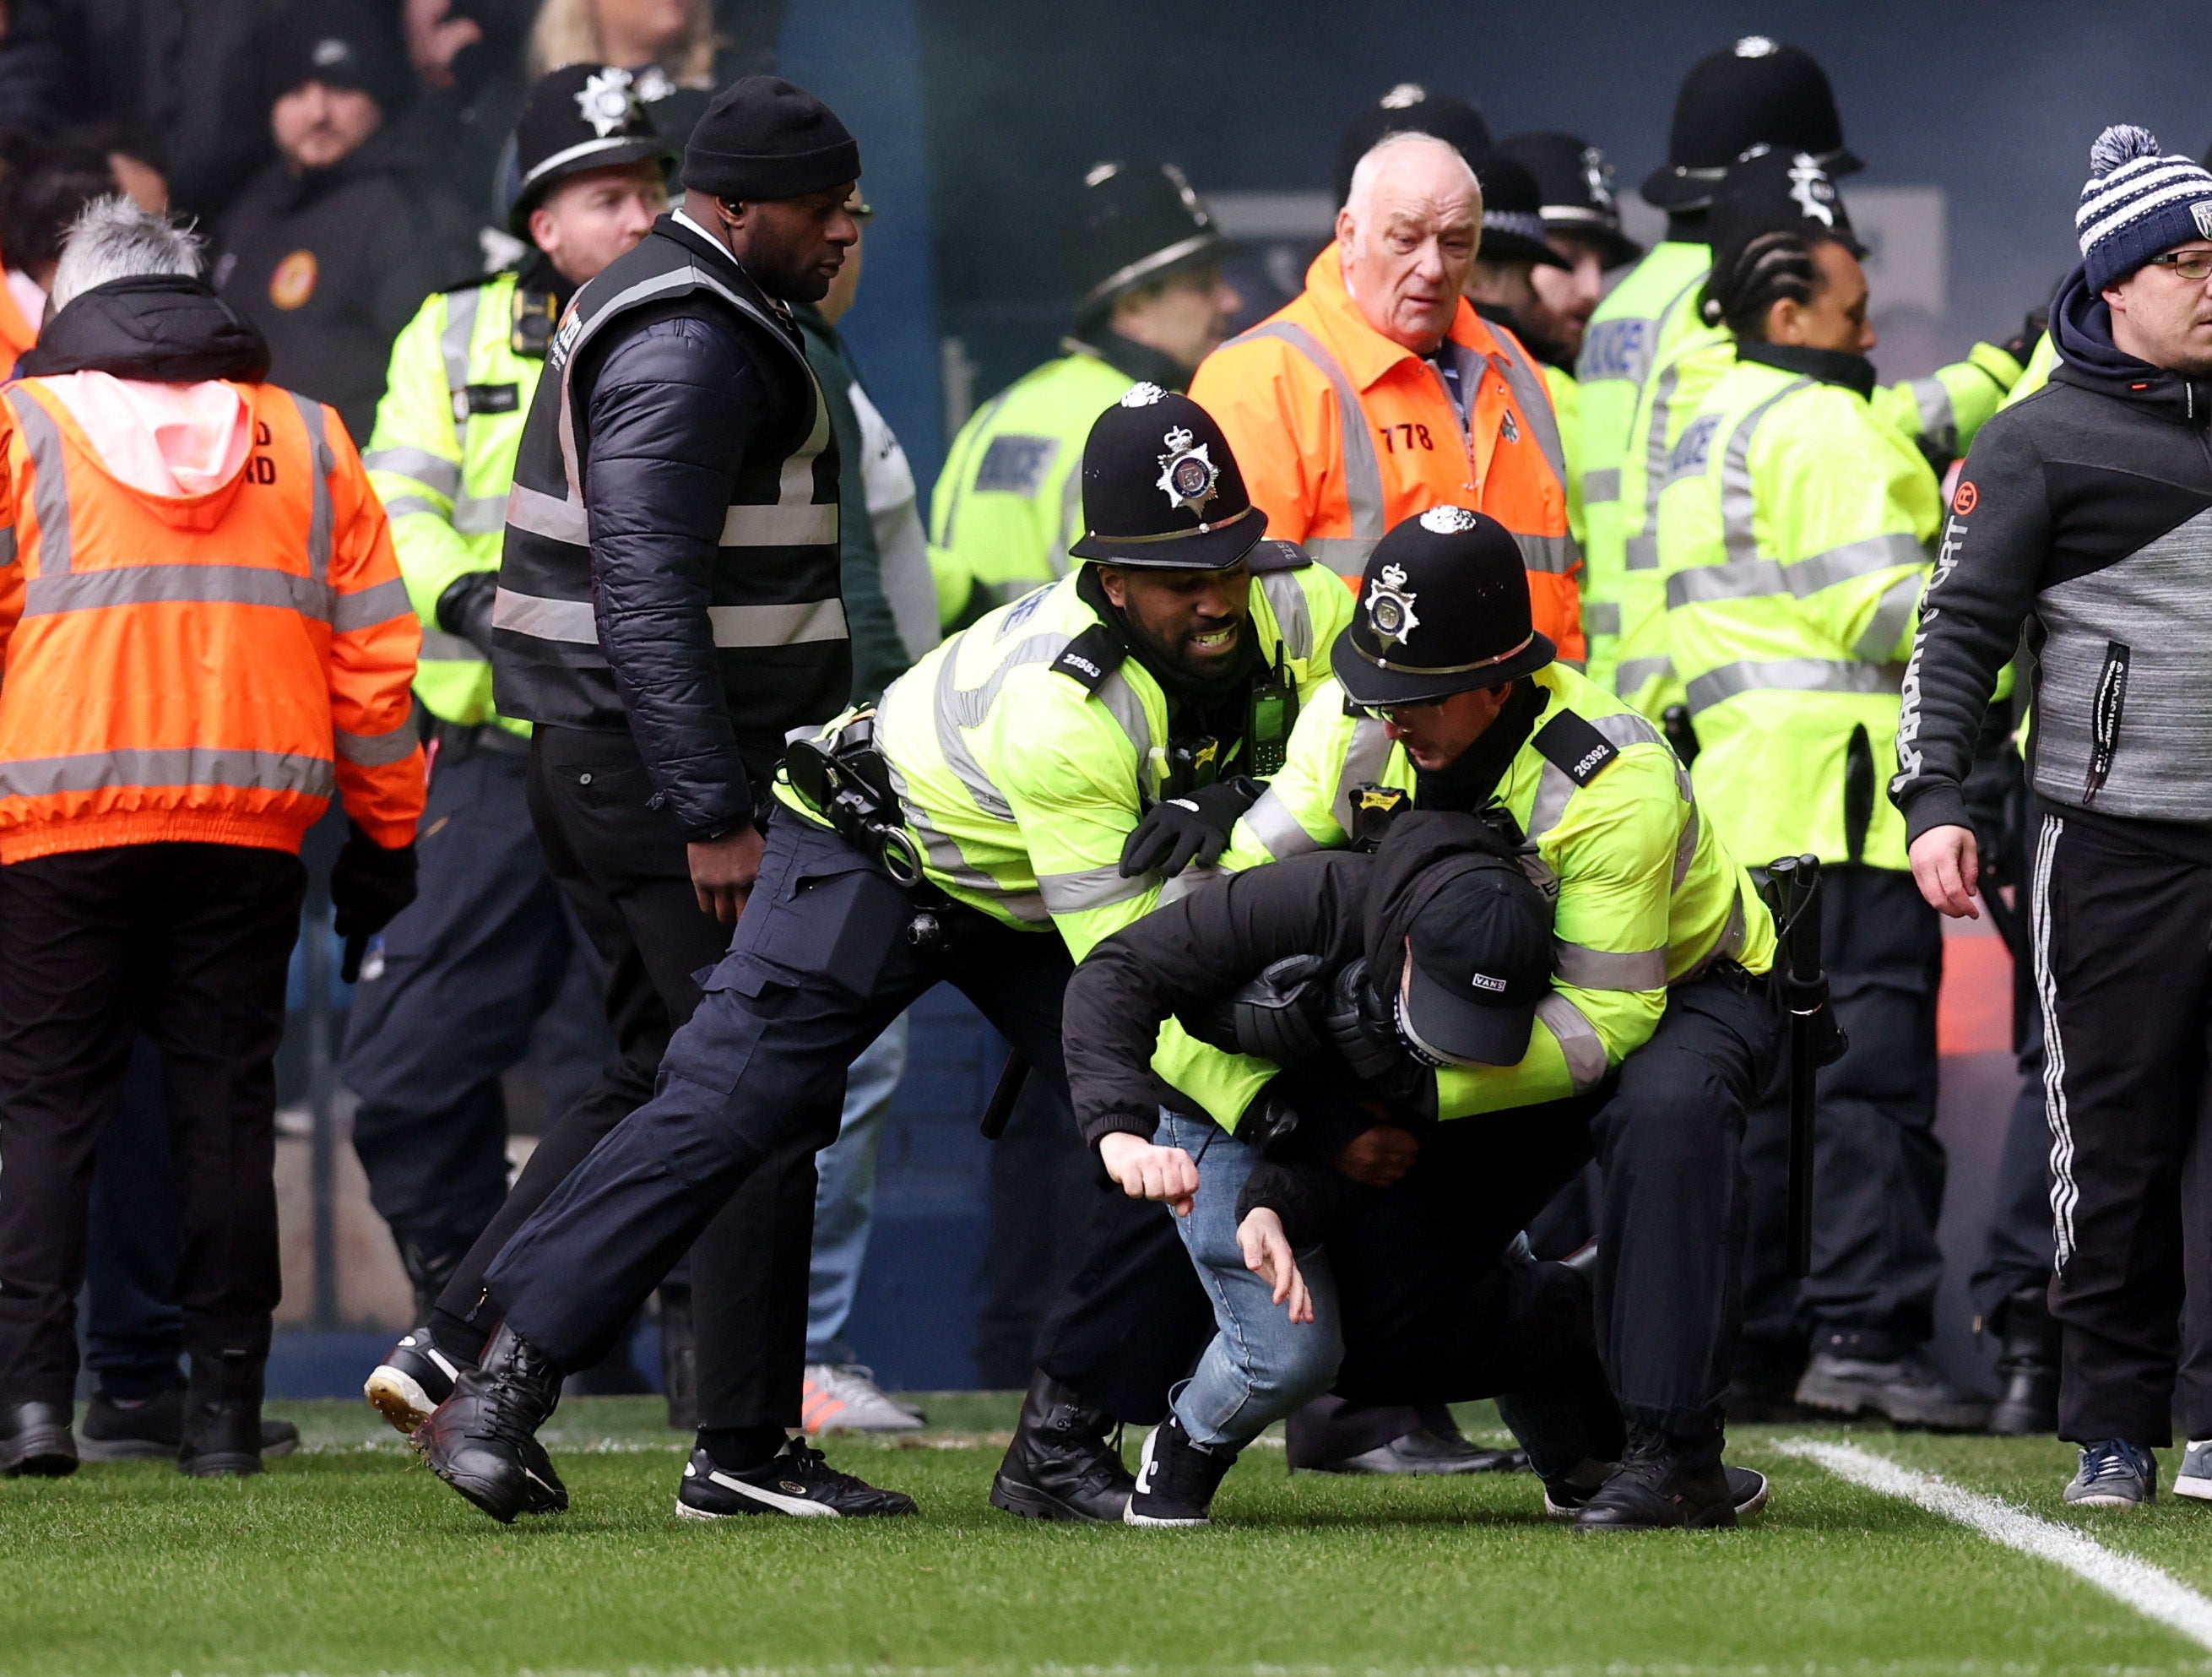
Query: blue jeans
<point>845,1193</point>
<point>1261,1365</point>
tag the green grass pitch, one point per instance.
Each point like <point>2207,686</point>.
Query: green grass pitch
<point>350,1558</point>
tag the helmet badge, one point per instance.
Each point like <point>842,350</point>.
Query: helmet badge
<point>607,103</point>
<point>1811,189</point>
<point>1390,607</point>
<point>1187,476</point>
<point>1142,395</point>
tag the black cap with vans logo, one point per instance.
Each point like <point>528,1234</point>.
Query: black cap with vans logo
<point>1478,960</point>
<point>1161,490</point>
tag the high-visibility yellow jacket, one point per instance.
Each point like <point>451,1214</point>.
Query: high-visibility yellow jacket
<point>1647,894</point>
<point>1792,542</point>
<point>442,459</point>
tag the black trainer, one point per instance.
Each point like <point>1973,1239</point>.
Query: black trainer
<point>794,1480</point>
<point>414,1378</point>
<point>153,1429</point>
<point>1566,1498</point>
<point>34,1439</point>
<point>1065,1462</point>
<point>2028,1365</point>
<point>1846,1378</point>
<point>221,1421</point>
<point>1175,1479</point>
<point>1663,1484</point>
<point>483,1439</point>
<point>1428,1451</point>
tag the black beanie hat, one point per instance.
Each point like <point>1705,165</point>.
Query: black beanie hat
<point>337,44</point>
<point>765,139</point>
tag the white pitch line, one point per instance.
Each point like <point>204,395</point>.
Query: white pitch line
<point>2151,1591</point>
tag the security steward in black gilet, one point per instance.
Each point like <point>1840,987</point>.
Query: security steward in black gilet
<point>668,610</point>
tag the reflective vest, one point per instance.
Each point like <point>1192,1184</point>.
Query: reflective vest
<point>1792,540</point>
<point>1023,763</point>
<point>1010,499</point>
<point>772,587</point>
<point>207,668</point>
<point>1280,391</point>
<point>1567,411</point>
<point>442,457</point>
<point>1648,894</point>
<point>2035,375</point>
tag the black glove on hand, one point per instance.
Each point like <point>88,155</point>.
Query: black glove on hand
<point>1361,1025</point>
<point>1195,827</point>
<point>369,886</point>
<point>465,609</point>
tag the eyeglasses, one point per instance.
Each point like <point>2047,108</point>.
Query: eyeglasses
<point>1390,711</point>
<point>2194,266</point>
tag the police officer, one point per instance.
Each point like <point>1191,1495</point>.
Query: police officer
<point>488,949</point>
<point>1446,699</point>
<point>1143,262</point>
<point>1792,535</point>
<point>1001,780</point>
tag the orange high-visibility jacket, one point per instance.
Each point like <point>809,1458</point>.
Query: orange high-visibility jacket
<point>206,668</point>
<point>1280,391</point>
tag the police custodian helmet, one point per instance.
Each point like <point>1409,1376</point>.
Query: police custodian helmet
<point>1757,91</point>
<point>580,117</point>
<point>1161,490</point>
<point>1132,225</point>
<point>1443,608</point>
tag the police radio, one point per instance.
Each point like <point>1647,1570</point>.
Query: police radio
<point>537,314</point>
<point>1271,714</point>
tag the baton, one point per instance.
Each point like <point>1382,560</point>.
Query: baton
<point>1001,1108</point>
<point>1793,894</point>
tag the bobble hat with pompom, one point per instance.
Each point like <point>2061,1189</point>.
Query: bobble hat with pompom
<point>2137,204</point>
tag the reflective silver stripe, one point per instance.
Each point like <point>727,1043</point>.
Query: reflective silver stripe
<point>1578,1040</point>
<point>785,525</point>
<point>454,342</point>
<point>8,545</point>
<point>1362,472</point>
<point>1939,423</point>
<point>374,751</point>
<point>434,472</point>
<point>1601,617</point>
<point>1549,556</point>
<point>951,863</point>
<point>188,765</point>
<point>568,620</point>
<point>49,482</point>
<point>1738,506</point>
<point>318,519</point>
<point>1749,579</point>
<point>1534,397</point>
<point>1344,555</point>
<point>441,646</point>
<point>1553,788</point>
<point>1686,850</point>
<point>1643,552</point>
<point>1789,675</point>
<point>1601,486</point>
<point>367,607</point>
<point>149,585</point>
<point>1644,549</point>
<point>1630,675</point>
<point>1092,888</point>
<point>1071,518</point>
<point>958,707</point>
<point>1726,947</point>
<point>546,515</point>
<point>1587,968</point>
<point>1286,599</point>
<point>1891,613</point>
<point>1620,729</point>
<point>778,625</point>
<point>1280,832</point>
<point>1124,705</point>
<point>1368,749</point>
<point>479,514</point>
<point>406,506</point>
<point>1190,879</point>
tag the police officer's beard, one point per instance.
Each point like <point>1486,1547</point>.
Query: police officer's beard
<point>1216,679</point>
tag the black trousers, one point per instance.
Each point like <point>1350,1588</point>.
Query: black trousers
<point>1879,1170</point>
<point>621,864</point>
<point>2016,1250</point>
<point>2123,938</point>
<point>1042,1180</point>
<point>189,943</point>
<point>483,961</point>
<point>820,964</point>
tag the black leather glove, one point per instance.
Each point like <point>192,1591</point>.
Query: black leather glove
<point>1277,1016</point>
<point>1359,1024</point>
<point>465,609</point>
<point>369,884</point>
<point>1193,827</point>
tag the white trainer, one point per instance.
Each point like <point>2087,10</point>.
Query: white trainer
<point>843,1397</point>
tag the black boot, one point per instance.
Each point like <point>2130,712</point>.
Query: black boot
<point>1062,1464</point>
<point>430,1261</point>
<point>2028,1365</point>
<point>222,1416</point>
<point>482,1440</point>
<point>35,1439</point>
<point>1663,1483</point>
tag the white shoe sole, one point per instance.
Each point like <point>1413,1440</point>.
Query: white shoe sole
<point>2101,1499</point>
<point>398,1397</point>
<point>1129,1515</point>
<point>2185,1484</point>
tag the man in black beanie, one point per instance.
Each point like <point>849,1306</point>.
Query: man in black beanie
<point>668,610</point>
